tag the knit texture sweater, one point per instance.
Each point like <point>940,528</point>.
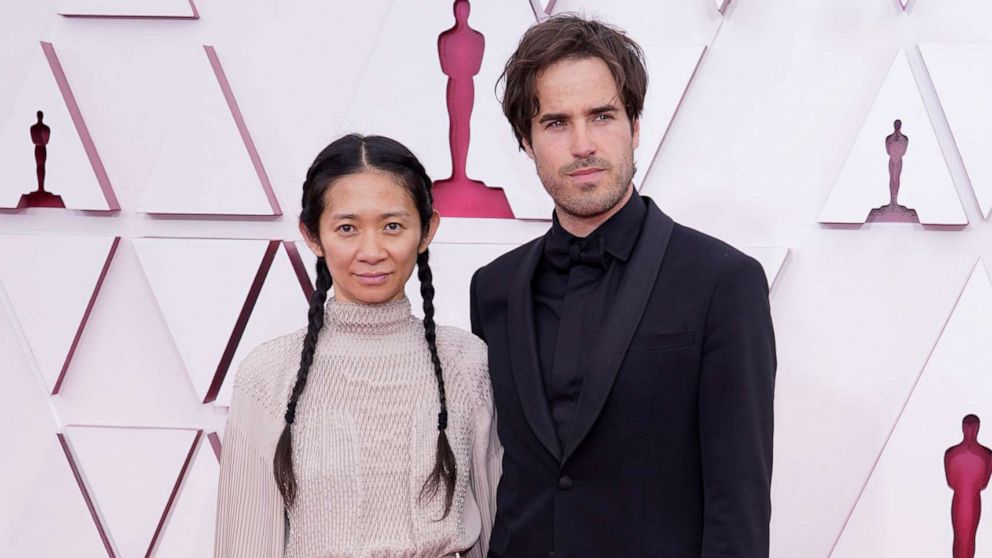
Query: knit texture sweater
<point>364,442</point>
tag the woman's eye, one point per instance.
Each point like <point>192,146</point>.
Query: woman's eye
<point>346,229</point>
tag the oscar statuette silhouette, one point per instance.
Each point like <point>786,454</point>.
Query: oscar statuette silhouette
<point>968,466</point>
<point>40,135</point>
<point>461,50</point>
<point>896,145</point>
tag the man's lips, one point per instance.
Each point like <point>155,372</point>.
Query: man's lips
<point>586,171</point>
<point>372,278</point>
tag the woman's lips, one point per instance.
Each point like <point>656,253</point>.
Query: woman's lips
<point>372,279</point>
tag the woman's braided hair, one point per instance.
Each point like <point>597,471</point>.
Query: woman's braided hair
<point>348,155</point>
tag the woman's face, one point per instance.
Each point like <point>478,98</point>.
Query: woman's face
<point>370,237</point>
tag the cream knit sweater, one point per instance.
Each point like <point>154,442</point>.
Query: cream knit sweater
<point>363,443</point>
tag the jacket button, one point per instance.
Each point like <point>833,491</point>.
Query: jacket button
<point>565,483</point>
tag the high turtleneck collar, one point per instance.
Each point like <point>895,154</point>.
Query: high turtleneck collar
<point>371,319</point>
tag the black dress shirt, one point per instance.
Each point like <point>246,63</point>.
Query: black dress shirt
<point>572,300</point>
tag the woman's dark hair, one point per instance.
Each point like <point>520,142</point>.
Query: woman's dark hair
<point>569,37</point>
<point>349,155</point>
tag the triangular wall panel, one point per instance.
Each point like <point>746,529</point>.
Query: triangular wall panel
<point>208,163</point>
<point>132,475</point>
<point>73,167</point>
<point>905,508</point>
<point>962,76</point>
<point>201,286</point>
<point>189,530</point>
<point>57,520</point>
<point>49,310</point>
<point>863,183</point>
<point>406,59</point>
<point>146,9</point>
<point>281,308</point>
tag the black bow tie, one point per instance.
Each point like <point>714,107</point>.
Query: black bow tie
<point>562,253</point>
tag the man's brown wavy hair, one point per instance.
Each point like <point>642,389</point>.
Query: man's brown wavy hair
<point>564,37</point>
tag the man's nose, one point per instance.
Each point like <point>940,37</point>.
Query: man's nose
<point>582,144</point>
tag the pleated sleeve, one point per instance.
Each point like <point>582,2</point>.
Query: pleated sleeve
<point>250,513</point>
<point>487,457</point>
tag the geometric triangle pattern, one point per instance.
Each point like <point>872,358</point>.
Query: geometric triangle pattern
<point>962,77</point>
<point>151,9</point>
<point>406,58</point>
<point>280,308</point>
<point>73,170</point>
<point>132,476</point>
<point>905,507</point>
<point>189,530</point>
<point>57,520</point>
<point>49,310</point>
<point>205,289</point>
<point>874,169</point>
<point>208,163</point>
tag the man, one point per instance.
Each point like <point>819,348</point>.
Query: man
<point>632,359</point>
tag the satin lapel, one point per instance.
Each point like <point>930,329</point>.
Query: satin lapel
<point>523,352</point>
<point>621,322</point>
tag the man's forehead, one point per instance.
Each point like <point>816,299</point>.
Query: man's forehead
<point>576,86</point>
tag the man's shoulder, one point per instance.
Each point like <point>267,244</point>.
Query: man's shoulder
<point>706,253</point>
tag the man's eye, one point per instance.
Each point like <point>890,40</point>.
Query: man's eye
<point>394,227</point>
<point>556,124</point>
<point>346,228</point>
<point>604,117</point>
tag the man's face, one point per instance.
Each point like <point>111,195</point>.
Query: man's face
<point>582,142</point>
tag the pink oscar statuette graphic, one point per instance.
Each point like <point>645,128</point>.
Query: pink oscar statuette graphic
<point>968,466</point>
<point>461,49</point>
<point>896,145</point>
<point>40,135</point>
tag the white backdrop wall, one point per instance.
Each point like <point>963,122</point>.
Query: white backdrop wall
<point>882,328</point>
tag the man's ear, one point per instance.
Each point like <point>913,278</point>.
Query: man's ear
<point>636,135</point>
<point>432,226</point>
<point>312,243</point>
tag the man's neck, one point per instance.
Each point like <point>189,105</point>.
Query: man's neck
<point>584,226</point>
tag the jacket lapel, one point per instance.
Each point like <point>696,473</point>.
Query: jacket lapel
<point>523,352</point>
<point>621,322</point>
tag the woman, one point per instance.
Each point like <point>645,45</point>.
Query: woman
<point>370,432</point>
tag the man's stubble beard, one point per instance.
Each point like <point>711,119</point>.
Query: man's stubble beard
<point>584,205</point>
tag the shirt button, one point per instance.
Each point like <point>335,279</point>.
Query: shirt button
<point>565,483</point>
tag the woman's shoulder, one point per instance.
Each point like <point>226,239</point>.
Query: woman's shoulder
<point>461,345</point>
<point>265,374</point>
<point>465,357</point>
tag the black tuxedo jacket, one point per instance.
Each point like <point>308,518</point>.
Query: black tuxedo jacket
<point>671,448</point>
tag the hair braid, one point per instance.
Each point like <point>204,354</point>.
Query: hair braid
<point>283,462</point>
<point>444,462</point>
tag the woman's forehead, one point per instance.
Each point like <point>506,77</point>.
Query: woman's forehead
<point>369,194</point>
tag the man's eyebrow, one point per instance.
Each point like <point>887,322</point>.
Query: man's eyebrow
<point>343,216</point>
<point>603,109</point>
<point>552,116</point>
